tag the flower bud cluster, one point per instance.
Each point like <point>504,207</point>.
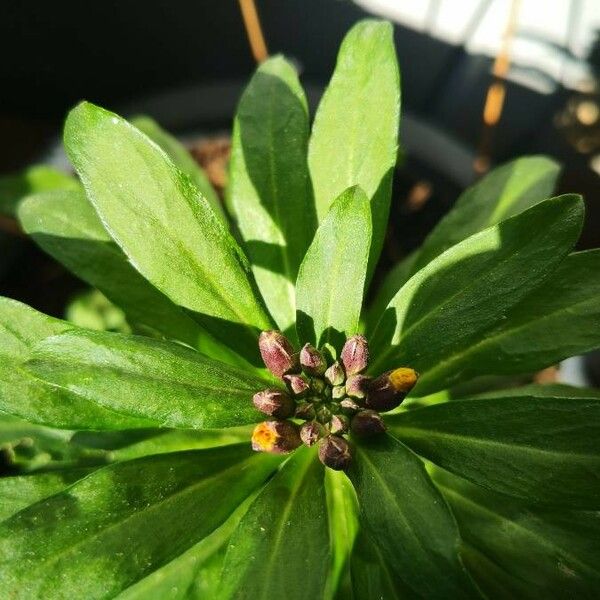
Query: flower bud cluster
<point>333,397</point>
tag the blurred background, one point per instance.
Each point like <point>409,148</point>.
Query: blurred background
<point>483,81</point>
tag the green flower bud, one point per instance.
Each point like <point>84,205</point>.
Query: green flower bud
<point>356,385</point>
<point>318,386</point>
<point>297,384</point>
<point>339,424</point>
<point>274,402</point>
<point>276,437</point>
<point>334,452</point>
<point>367,422</point>
<point>339,391</point>
<point>349,406</point>
<point>305,410</point>
<point>312,360</point>
<point>329,352</point>
<point>277,353</point>
<point>335,374</point>
<point>323,414</point>
<point>389,389</point>
<point>311,433</point>
<point>355,354</point>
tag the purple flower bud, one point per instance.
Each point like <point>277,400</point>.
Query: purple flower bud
<point>357,385</point>
<point>389,389</point>
<point>335,374</point>
<point>339,424</point>
<point>312,360</point>
<point>274,402</point>
<point>339,391</point>
<point>349,406</point>
<point>277,353</point>
<point>355,354</point>
<point>311,433</point>
<point>367,422</point>
<point>334,452</point>
<point>305,410</point>
<point>276,437</point>
<point>297,384</point>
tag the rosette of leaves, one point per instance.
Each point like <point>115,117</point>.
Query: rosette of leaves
<point>465,495</point>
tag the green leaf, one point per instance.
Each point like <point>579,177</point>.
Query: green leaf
<point>165,227</point>
<point>37,178</point>
<point>91,309</point>
<point>20,491</point>
<point>354,139</point>
<point>549,554</point>
<point>281,546</point>
<point>182,159</point>
<point>406,516</point>
<point>372,576</point>
<point>342,508</point>
<point>503,193</point>
<point>192,576</point>
<point>122,522</point>
<point>541,390</point>
<point>23,395</point>
<point>269,190</point>
<point>449,305</point>
<point>557,320</point>
<point>543,449</point>
<point>165,383</point>
<point>331,281</point>
<point>65,225</point>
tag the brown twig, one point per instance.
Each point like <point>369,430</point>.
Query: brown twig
<point>254,30</point>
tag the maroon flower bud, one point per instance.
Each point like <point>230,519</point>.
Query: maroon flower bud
<point>349,406</point>
<point>339,391</point>
<point>297,384</point>
<point>274,402</point>
<point>355,354</point>
<point>305,410</point>
<point>367,422</point>
<point>276,437</point>
<point>277,353</point>
<point>312,360</point>
<point>389,389</point>
<point>339,424</point>
<point>357,385</point>
<point>311,432</point>
<point>335,374</point>
<point>334,452</point>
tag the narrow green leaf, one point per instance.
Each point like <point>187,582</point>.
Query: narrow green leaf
<point>555,554</point>
<point>269,190</point>
<point>66,226</point>
<point>342,508</point>
<point>23,395</point>
<point>192,576</point>
<point>166,383</point>
<point>165,227</point>
<point>281,546</point>
<point>557,320</point>
<point>37,178</point>
<point>331,281</point>
<point>406,516</point>
<point>182,159</point>
<point>371,573</point>
<point>114,527</point>
<point>18,492</point>
<point>541,390</point>
<point>542,449</point>
<point>354,139</point>
<point>451,303</point>
<point>504,192</point>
